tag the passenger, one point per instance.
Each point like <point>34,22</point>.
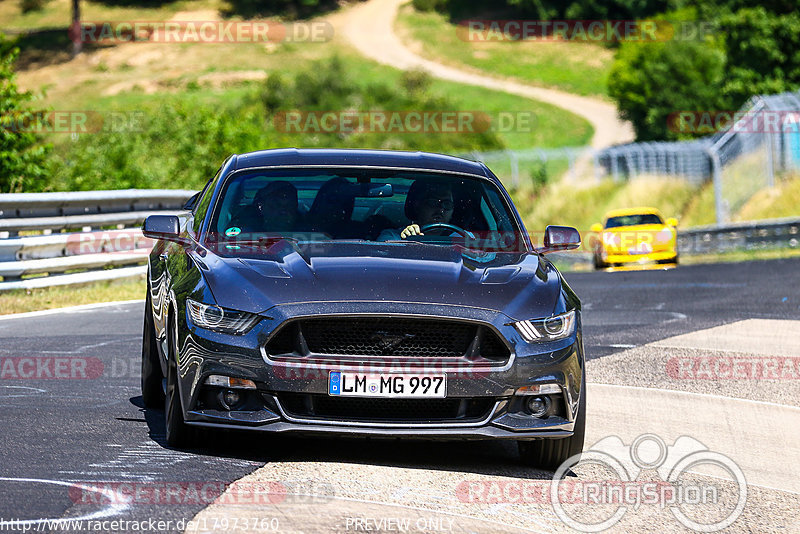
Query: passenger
<point>274,209</point>
<point>332,209</point>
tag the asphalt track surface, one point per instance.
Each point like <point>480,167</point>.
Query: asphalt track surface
<point>60,434</point>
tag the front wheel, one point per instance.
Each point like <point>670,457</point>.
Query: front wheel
<point>179,434</point>
<point>152,377</point>
<point>549,453</point>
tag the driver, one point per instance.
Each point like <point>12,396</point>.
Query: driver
<point>426,203</point>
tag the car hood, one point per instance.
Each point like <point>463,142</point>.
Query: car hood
<point>521,285</point>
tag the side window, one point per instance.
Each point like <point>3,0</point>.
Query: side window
<point>201,207</point>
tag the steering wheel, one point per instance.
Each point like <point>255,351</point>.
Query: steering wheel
<point>444,226</point>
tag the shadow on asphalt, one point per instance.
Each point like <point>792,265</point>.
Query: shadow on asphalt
<point>494,458</point>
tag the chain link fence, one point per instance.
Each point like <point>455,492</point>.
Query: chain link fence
<point>535,166</point>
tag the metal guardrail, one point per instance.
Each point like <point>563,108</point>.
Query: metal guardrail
<point>774,233</point>
<point>109,234</point>
<point>712,239</point>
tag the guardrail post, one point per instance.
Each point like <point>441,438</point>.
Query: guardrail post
<point>770,167</point>
<point>514,169</point>
<point>716,173</point>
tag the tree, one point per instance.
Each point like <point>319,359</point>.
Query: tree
<point>651,81</point>
<point>75,28</point>
<point>22,156</point>
<point>763,53</point>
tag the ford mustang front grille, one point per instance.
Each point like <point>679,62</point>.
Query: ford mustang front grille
<point>393,337</point>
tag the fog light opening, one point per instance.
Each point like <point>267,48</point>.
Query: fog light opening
<point>538,406</point>
<point>229,399</point>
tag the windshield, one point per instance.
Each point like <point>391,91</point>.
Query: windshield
<point>363,205</point>
<point>633,220</point>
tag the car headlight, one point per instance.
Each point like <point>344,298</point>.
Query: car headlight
<point>548,329</point>
<point>222,320</point>
<point>665,235</point>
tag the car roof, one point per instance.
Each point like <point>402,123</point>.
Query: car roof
<point>632,211</point>
<point>358,158</point>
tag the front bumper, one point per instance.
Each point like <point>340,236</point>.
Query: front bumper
<point>205,353</point>
<point>662,258</point>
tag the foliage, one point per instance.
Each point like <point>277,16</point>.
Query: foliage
<point>429,5</point>
<point>32,5</point>
<point>539,176</point>
<point>182,142</point>
<point>753,51</point>
<point>551,9</point>
<point>327,86</point>
<point>654,80</point>
<point>22,156</point>
<point>289,9</point>
<point>763,52</point>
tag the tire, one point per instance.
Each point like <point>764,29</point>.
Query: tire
<point>152,377</point>
<point>179,434</point>
<point>550,453</point>
<point>598,263</point>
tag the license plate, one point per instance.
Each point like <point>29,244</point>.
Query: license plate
<point>342,384</point>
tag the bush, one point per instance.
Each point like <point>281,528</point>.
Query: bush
<point>429,5</point>
<point>551,9</point>
<point>653,80</point>
<point>290,9</point>
<point>762,53</point>
<point>22,155</point>
<point>416,81</point>
<point>32,5</point>
<point>539,176</point>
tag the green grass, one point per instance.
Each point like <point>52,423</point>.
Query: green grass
<point>736,256</point>
<point>783,200</point>
<point>551,127</point>
<point>700,211</point>
<point>574,67</point>
<point>20,301</point>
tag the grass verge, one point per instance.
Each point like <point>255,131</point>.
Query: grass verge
<point>736,256</point>
<point>20,301</point>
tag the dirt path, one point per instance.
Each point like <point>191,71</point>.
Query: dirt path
<point>370,28</point>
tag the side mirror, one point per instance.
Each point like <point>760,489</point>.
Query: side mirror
<point>596,228</point>
<point>166,227</point>
<point>560,238</point>
<point>672,221</point>
<point>191,202</point>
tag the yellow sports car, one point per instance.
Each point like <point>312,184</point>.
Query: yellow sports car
<point>635,238</point>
